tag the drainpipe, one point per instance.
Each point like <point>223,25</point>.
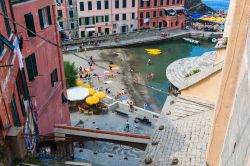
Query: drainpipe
<point>12,16</point>
<point>58,48</point>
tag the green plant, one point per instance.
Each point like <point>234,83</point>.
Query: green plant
<point>192,72</point>
<point>70,73</point>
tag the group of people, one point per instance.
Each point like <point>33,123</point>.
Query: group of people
<point>86,72</point>
<point>136,124</point>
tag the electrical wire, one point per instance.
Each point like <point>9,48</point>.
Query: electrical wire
<point>34,33</point>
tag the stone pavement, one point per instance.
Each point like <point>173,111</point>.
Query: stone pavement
<point>184,139</point>
<point>177,71</point>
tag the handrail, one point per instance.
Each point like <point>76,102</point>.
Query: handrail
<point>102,132</point>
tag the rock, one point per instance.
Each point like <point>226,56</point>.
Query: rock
<point>110,155</point>
<point>125,158</point>
<point>161,127</point>
<point>175,161</point>
<point>95,153</point>
<point>80,150</point>
<point>155,143</point>
<point>148,160</point>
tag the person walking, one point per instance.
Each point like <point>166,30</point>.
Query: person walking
<point>127,125</point>
<point>131,107</point>
<point>91,59</point>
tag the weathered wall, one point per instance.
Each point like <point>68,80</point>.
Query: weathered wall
<point>236,150</point>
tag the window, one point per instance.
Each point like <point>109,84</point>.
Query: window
<point>161,2</point>
<point>89,5</point>
<point>99,19</point>
<point>167,2</point>
<point>72,26</point>
<point>117,17</point>
<point>71,14</point>
<point>173,2</point>
<point>133,3</point>
<point>141,3</point>
<point>154,14</point>
<point>160,13</point>
<point>44,17</point>
<point>53,77</point>
<point>116,4</point>
<point>147,15</point>
<point>106,4</point>
<point>148,3</point>
<point>99,5</point>
<point>155,2</point>
<point>106,18</point>
<point>81,6</point>
<point>133,15</point>
<point>6,21</point>
<point>82,33</point>
<point>123,16</point>
<point>61,25</point>
<point>31,67</point>
<point>141,15</point>
<point>14,112</point>
<point>29,21</point>
<point>70,2</point>
<point>124,3</point>
<point>59,13</point>
<point>86,20</point>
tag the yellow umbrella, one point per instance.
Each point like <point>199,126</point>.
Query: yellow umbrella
<point>79,83</point>
<point>91,91</point>
<point>86,85</point>
<point>152,49</point>
<point>100,95</point>
<point>92,100</point>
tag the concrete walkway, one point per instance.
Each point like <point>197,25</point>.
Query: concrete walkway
<point>133,38</point>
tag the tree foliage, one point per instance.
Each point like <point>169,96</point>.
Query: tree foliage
<point>70,74</point>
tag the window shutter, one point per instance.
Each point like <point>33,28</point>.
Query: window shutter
<point>49,15</point>
<point>29,68</point>
<point>30,24</point>
<point>41,18</point>
<point>52,79</point>
<point>80,21</point>
<point>56,76</point>
<point>34,66</point>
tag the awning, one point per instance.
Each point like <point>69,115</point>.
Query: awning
<point>175,8</point>
<point>90,29</point>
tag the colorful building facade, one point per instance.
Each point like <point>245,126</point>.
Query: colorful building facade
<point>161,14</point>
<point>43,63</point>
<point>100,17</point>
<point>12,112</point>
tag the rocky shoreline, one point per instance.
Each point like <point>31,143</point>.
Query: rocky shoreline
<point>197,6</point>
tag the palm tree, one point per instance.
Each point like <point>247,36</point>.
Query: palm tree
<point>70,73</point>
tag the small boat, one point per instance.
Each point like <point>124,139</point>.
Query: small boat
<point>191,40</point>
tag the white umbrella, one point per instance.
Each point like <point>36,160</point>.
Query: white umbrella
<point>77,93</point>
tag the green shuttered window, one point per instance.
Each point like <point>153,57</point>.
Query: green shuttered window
<point>81,6</point>
<point>31,67</point>
<point>29,21</point>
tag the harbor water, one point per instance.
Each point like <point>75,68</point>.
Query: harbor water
<point>171,51</point>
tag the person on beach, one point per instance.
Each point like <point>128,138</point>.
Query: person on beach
<point>80,69</point>
<point>149,61</point>
<point>136,123</point>
<point>91,59</point>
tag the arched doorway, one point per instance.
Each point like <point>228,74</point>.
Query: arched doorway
<point>165,24</point>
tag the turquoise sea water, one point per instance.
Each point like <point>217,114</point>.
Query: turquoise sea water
<point>217,4</point>
<point>171,51</point>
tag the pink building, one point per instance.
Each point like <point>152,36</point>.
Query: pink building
<point>161,13</point>
<point>43,61</point>
<point>106,16</point>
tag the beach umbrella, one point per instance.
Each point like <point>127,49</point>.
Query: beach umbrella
<point>100,95</point>
<point>86,85</point>
<point>79,83</point>
<point>77,93</point>
<point>91,91</point>
<point>107,72</point>
<point>152,49</point>
<point>92,100</point>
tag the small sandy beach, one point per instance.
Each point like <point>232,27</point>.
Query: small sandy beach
<point>125,80</point>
